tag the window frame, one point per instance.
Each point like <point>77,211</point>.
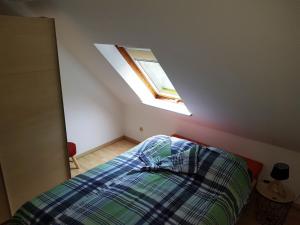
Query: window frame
<point>143,77</point>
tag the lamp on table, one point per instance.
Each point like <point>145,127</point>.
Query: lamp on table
<point>279,172</point>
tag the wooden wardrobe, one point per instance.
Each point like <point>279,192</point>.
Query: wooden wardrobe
<point>33,149</point>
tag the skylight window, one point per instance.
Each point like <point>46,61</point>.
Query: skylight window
<point>148,68</point>
<point>154,73</point>
<point>145,76</point>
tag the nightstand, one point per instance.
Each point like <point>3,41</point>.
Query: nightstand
<point>272,209</point>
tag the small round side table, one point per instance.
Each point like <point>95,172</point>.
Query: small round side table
<point>272,209</point>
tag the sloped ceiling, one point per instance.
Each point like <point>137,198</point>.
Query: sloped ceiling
<point>235,63</point>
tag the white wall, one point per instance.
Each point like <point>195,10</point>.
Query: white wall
<point>93,115</point>
<point>234,63</point>
<point>157,121</point>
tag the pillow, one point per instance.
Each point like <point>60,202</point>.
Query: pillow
<point>155,148</point>
<point>254,166</point>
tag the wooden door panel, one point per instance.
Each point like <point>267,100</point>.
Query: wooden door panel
<point>32,131</point>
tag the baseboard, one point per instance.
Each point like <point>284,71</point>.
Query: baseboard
<point>131,140</point>
<point>100,146</point>
<point>107,144</point>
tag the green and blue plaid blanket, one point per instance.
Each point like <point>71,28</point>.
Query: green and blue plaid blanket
<point>163,180</point>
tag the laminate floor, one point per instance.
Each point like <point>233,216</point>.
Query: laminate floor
<point>100,156</point>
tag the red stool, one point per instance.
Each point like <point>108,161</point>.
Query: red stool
<point>72,153</point>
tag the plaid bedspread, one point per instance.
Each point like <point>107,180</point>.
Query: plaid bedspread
<point>163,180</point>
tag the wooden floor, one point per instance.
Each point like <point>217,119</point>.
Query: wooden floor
<point>100,156</point>
<point>105,154</point>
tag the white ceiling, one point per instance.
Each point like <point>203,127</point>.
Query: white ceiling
<point>235,63</point>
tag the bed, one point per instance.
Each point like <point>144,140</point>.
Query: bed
<point>163,180</point>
